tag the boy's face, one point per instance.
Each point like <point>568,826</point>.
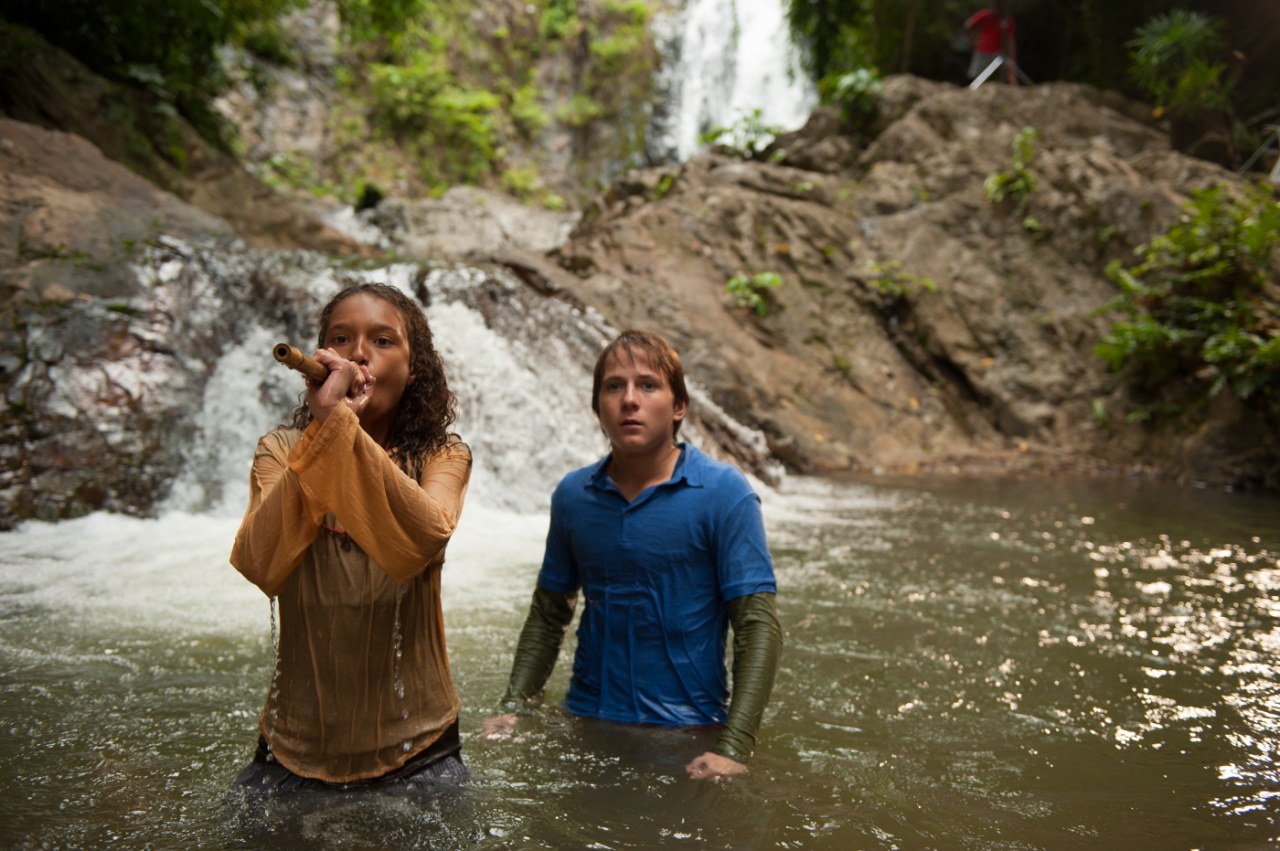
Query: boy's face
<point>370,331</point>
<point>638,411</point>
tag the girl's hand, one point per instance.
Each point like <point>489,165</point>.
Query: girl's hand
<point>348,382</point>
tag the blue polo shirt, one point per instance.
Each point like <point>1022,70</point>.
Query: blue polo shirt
<point>655,575</point>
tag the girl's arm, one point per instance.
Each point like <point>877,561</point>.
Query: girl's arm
<point>336,467</point>
<point>401,524</point>
<point>277,527</point>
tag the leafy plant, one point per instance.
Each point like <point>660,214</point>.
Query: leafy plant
<point>746,138</point>
<point>891,280</point>
<point>752,292</point>
<point>581,110</point>
<point>1174,58</point>
<point>521,182</point>
<point>1202,301</point>
<point>857,93</point>
<point>1019,181</point>
<point>560,19</point>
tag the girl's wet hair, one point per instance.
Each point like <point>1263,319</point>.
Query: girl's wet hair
<point>427,409</point>
<point>657,351</point>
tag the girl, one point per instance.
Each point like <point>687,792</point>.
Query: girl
<point>350,510</point>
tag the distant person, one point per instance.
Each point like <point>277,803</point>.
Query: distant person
<point>993,33</point>
<point>350,510</point>
<point>667,548</point>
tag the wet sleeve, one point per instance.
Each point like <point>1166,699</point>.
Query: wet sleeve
<point>757,644</point>
<point>400,523</point>
<point>278,526</point>
<point>537,649</point>
<point>744,565</point>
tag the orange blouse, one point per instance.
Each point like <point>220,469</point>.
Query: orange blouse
<point>353,549</point>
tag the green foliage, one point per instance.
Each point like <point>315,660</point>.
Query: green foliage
<point>1202,301</point>
<point>1019,181</point>
<point>857,93</point>
<point>292,170</point>
<point>165,47</point>
<point>266,40</point>
<point>613,50</point>
<point>1101,417</point>
<point>665,184</point>
<point>421,101</point>
<point>619,63</point>
<point>385,25</point>
<point>752,292</point>
<point>463,130</point>
<point>560,19</point>
<point>521,182</point>
<point>404,96</point>
<point>581,110</point>
<point>1174,58</point>
<point>746,138</point>
<point>891,280</point>
<point>839,36</point>
<point>835,34</point>
<point>527,112</point>
<point>1035,228</point>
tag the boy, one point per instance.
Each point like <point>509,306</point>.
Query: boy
<point>668,548</point>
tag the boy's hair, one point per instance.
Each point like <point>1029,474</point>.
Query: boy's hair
<point>428,408</point>
<point>661,356</point>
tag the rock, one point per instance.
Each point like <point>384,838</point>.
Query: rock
<point>466,223</point>
<point>71,218</point>
<point>48,88</point>
<point>916,320</point>
<point>917,325</point>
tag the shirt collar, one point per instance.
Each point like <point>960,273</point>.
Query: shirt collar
<point>690,467</point>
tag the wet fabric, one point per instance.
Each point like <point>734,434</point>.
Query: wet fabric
<point>353,548</point>
<point>757,645</point>
<point>656,575</point>
<point>439,765</point>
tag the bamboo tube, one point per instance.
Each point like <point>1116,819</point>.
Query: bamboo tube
<point>294,359</point>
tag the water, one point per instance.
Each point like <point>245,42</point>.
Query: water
<point>981,664</point>
<point>724,59</point>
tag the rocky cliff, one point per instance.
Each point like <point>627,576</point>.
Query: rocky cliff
<point>915,324</point>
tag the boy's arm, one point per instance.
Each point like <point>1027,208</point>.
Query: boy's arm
<point>757,644</point>
<point>549,616</point>
<point>536,652</point>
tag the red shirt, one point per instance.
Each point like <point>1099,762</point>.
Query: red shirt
<point>988,27</point>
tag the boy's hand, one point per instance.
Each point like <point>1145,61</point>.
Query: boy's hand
<point>499,728</point>
<point>713,766</point>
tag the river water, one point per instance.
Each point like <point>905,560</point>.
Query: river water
<point>969,664</point>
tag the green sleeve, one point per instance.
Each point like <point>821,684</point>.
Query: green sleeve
<point>536,651</point>
<point>757,644</point>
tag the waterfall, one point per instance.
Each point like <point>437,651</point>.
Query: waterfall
<point>723,59</point>
<point>518,362</point>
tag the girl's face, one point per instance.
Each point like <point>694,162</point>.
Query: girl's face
<point>370,331</point>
